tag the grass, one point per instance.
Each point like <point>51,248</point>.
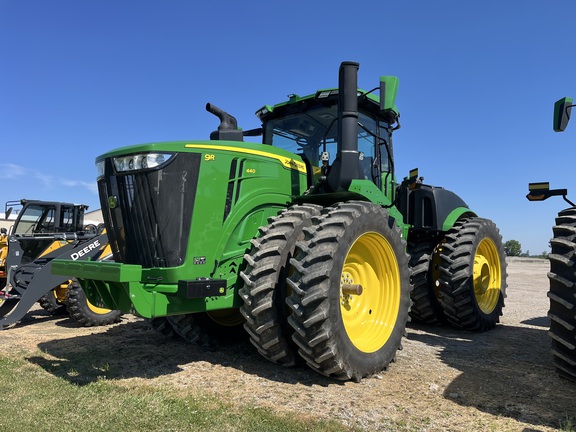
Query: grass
<point>36,400</point>
<point>568,425</point>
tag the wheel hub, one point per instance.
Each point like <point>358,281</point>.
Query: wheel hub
<point>346,281</point>
<point>481,274</point>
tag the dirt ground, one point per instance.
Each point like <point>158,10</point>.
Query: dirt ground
<point>443,380</point>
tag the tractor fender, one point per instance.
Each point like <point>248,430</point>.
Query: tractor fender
<point>454,216</point>
<point>433,208</point>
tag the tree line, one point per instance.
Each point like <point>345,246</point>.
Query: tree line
<point>514,248</point>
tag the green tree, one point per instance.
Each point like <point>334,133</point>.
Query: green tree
<point>513,248</point>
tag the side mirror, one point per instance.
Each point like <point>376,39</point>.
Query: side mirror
<point>562,111</point>
<point>388,91</point>
<point>8,213</point>
<point>541,191</point>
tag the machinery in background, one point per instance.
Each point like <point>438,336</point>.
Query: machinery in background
<point>562,275</point>
<point>45,230</point>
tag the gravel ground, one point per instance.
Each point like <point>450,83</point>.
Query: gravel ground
<point>443,379</point>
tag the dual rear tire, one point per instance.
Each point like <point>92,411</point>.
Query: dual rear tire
<point>347,290</point>
<point>460,279</point>
<point>472,275</point>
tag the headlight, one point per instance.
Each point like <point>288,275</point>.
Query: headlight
<point>140,161</point>
<point>100,169</point>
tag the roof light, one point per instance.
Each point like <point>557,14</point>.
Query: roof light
<point>325,93</point>
<point>263,111</point>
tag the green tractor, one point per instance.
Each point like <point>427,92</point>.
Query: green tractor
<point>305,240</point>
<point>562,275</point>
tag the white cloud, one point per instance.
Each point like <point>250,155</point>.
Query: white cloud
<point>13,171</point>
<point>91,186</point>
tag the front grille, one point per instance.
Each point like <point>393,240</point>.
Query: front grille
<point>149,223</point>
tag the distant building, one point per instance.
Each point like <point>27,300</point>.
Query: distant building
<point>93,217</point>
<point>6,223</point>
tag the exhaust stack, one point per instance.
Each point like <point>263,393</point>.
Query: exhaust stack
<point>346,166</point>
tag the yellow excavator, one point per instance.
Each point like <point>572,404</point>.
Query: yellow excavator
<point>42,231</point>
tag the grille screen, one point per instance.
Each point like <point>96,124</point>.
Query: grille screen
<point>149,223</point>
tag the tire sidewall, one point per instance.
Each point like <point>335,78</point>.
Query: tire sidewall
<point>368,362</point>
<point>488,230</point>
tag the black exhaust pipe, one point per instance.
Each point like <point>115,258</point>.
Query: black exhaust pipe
<point>346,166</point>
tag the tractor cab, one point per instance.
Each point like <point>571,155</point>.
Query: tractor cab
<point>309,126</point>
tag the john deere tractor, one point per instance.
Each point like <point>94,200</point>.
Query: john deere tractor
<point>562,258</point>
<point>43,231</point>
<point>305,240</point>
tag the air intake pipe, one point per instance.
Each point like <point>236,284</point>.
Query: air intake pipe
<point>228,128</point>
<point>346,166</point>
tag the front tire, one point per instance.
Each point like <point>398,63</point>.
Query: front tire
<point>162,325</point>
<point>265,290</point>
<point>350,291</point>
<point>209,328</point>
<point>562,294</point>
<point>473,275</point>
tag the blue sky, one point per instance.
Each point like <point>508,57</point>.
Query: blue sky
<point>478,80</point>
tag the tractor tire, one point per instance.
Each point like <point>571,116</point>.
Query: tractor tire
<point>162,325</point>
<point>52,304</point>
<point>350,291</point>
<point>209,328</point>
<point>473,275</point>
<point>562,294</point>
<point>265,290</point>
<point>85,313</point>
<point>425,307</point>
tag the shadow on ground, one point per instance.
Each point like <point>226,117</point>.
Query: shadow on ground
<point>506,372</point>
<point>133,349</point>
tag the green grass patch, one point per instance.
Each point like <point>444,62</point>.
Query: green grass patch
<point>37,400</point>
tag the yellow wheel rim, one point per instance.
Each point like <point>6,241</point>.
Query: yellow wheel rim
<point>60,292</point>
<point>369,318</point>
<point>226,317</point>
<point>96,309</point>
<point>487,276</point>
